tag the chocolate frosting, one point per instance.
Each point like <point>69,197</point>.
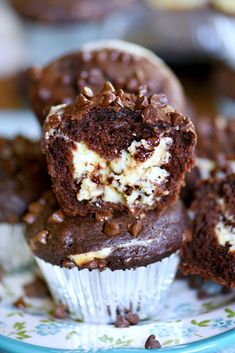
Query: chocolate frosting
<point>54,237</point>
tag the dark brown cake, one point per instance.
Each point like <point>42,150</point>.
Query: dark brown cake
<point>120,242</point>
<point>126,65</point>
<point>210,252</point>
<point>114,151</point>
<point>23,176</point>
<point>66,11</point>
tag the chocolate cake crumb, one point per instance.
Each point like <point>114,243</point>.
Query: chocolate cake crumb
<point>36,289</point>
<point>121,322</point>
<point>152,343</point>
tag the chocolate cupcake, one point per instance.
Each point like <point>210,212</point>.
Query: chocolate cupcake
<point>115,151</point>
<point>83,259</point>
<point>64,11</point>
<point>22,179</point>
<point>215,148</point>
<point>125,65</point>
<point>210,251</point>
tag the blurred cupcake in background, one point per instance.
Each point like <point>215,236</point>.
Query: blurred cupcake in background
<point>22,178</point>
<point>54,27</point>
<point>125,65</point>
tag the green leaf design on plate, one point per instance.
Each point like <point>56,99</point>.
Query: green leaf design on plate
<point>208,306</point>
<point>203,323</point>
<point>230,313</point>
<point>118,342</point>
<point>48,321</point>
<point>171,342</point>
<point>15,314</point>
<point>22,335</point>
<point>18,326</point>
<point>70,334</point>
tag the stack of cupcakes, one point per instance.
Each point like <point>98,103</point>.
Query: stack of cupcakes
<point>106,238</point>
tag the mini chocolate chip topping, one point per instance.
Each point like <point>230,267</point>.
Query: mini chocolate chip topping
<point>135,228</point>
<point>121,322</point>
<point>152,343</point>
<point>56,217</point>
<point>41,237</point>
<point>112,228</point>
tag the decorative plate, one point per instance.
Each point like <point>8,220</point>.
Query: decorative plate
<point>187,324</point>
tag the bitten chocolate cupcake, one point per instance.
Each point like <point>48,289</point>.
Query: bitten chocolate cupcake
<point>210,251</point>
<point>83,259</point>
<point>125,65</point>
<point>115,151</point>
<point>23,177</point>
<point>64,11</point>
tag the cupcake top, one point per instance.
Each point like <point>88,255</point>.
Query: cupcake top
<point>210,252</point>
<point>66,11</point>
<point>120,242</point>
<point>125,65</point>
<point>117,151</point>
<point>23,176</point>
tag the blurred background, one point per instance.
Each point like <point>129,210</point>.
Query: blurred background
<point>195,37</point>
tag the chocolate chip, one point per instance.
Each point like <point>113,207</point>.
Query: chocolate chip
<point>60,311</point>
<point>111,228</point>
<point>35,207</point>
<point>159,100</point>
<point>121,322</point>
<point>87,92</point>
<point>142,102</point>
<point>56,217</point>
<point>67,263</point>
<point>108,87</point>
<point>99,264</point>
<point>54,121</point>
<point>20,303</point>
<point>36,289</point>
<point>119,102</point>
<point>29,218</point>
<point>135,228</point>
<point>82,101</point>
<point>132,318</point>
<point>150,114</point>
<point>40,237</point>
<point>44,93</point>
<point>109,98</point>
<point>195,282</point>
<point>152,343</point>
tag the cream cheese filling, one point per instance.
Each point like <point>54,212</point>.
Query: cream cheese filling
<point>124,179</point>
<point>225,233</point>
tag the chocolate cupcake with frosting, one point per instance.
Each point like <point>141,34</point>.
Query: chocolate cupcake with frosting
<point>117,162</point>
<point>23,177</point>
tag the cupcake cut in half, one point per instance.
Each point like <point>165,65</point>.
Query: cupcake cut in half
<point>115,151</point>
<point>125,65</point>
<point>210,252</point>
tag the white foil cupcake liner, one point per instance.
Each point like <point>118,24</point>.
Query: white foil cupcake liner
<point>14,251</point>
<point>97,297</point>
